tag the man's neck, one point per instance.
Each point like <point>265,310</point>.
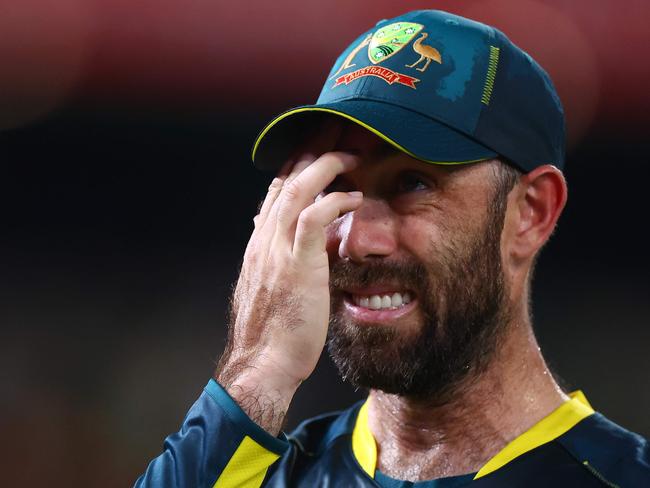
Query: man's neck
<point>419,440</point>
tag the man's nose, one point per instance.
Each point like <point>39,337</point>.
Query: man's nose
<point>368,232</point>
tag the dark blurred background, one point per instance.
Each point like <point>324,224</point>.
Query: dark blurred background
<point>127,194</point>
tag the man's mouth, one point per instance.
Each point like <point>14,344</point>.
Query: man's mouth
<point>379,305</point>
<point>381,301</point>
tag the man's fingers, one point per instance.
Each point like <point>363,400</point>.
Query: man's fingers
<point>310,230</point>
<point>271,196</point>
<point>271,211</point>
<point>322,140</point>
<point>303,189</point>
<point>289,171</point>
<point>299,166</point>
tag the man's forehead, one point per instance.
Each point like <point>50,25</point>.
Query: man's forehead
<point>355,138</point>
<point>376,152</point>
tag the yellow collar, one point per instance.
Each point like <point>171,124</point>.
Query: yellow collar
<point>551,427</point>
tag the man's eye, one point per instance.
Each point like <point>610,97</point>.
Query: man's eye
<point>409,182</point>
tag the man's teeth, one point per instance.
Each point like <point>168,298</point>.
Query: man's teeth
<point>378,302</point>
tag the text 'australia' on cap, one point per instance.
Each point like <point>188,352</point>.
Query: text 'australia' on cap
<point>441,88</point>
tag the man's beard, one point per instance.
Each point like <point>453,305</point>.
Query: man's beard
<point>462,300</point>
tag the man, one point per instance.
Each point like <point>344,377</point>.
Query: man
<point>404,225</point>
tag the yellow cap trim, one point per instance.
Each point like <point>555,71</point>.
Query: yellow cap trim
<point>363,443</point>
<point>551,427</point>
<point>283,116</point>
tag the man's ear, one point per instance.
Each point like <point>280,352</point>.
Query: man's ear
<point>540,200</point>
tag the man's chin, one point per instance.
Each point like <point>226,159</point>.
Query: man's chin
<point>375,355</point>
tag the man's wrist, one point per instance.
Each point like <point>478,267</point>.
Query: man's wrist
<point>265,397</point>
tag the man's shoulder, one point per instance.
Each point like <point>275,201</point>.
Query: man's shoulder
<point>609,450</point>
<point>316,433</point>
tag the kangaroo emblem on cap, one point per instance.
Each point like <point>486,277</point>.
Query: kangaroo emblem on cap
<point>350,57</point>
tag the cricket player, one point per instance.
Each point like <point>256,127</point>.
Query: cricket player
<point>402,230</point>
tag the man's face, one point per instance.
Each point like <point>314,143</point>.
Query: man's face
<point>418,299</point>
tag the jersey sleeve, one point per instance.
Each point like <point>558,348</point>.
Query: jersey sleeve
<point>218,446</point>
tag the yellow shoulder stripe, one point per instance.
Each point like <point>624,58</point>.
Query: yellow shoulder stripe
<point>363,443</point>
<point>551,427</point>
<point>247,466</point>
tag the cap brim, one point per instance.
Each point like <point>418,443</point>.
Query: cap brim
<point>418,136</point>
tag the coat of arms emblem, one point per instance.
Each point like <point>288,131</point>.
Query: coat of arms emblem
<point>390,39</point>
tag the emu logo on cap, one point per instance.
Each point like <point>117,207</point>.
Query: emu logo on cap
<point>390,39</point>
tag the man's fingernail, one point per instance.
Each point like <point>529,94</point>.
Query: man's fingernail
<point>355,194</point>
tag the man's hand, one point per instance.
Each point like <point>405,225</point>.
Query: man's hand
<point>280,307</point>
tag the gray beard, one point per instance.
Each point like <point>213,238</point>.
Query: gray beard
<point>462,298</point>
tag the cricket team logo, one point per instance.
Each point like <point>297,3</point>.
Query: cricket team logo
<point>383,44</point>
<point>390,40</point>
